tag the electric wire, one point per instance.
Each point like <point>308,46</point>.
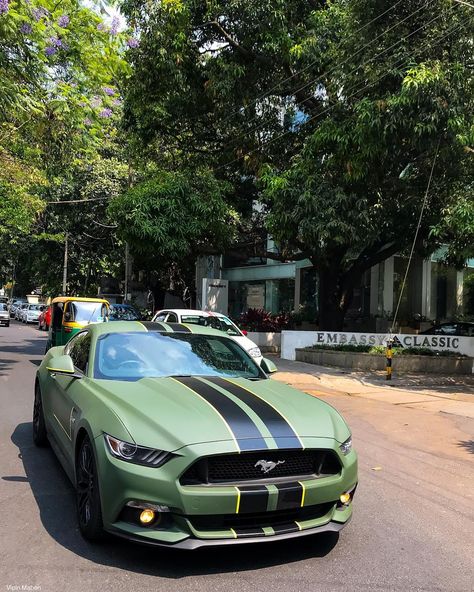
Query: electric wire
<point>418,226</point>
<point>328,109</point>
<point>299,72</point>
<point>338,66</point>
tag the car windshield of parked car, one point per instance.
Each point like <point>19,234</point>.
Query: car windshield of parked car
<point>119,312</point>
<point>3,306</point>
<point>135,355</point>
<point>223,324</point>
<point>35,307</point>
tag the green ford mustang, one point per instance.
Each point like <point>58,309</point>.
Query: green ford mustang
<point>172,435</point>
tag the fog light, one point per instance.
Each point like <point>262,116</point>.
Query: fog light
<point>345,498</point>
<point>147,516</point>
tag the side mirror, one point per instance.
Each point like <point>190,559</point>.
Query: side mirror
<point>67,317</point>
<point>64,366</point>
<point>268,366</point>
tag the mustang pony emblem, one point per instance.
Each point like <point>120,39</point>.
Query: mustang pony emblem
<point>267,465</point>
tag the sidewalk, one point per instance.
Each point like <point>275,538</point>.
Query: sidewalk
<point>445,394</point>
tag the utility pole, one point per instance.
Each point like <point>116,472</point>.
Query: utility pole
<point>127,266</point>
<point>65,266</point>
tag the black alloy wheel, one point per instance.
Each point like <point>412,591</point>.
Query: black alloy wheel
<point>40,436</point>
<point>89,513</point>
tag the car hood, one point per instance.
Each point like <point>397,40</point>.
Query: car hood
<point>168,414</point>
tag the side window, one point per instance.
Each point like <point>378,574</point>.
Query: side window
<point>172,318</point>
<point>79,350</point>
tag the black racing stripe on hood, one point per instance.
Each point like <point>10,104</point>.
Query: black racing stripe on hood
<point>154,326</point>
<point>244,429</point>
<point>179,328</point>
<point>280,429</point>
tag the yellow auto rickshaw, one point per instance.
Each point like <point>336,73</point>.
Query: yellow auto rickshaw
<point>69,314</point>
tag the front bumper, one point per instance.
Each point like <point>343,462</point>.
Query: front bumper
<point>203,515</point>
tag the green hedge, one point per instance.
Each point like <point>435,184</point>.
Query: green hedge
<point>381,350</point>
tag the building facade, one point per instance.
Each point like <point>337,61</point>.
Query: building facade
<point>433,291</point>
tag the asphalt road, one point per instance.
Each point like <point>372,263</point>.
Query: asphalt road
<point>412,529</point>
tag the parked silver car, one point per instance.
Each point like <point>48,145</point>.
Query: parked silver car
<point>19,311</point>
<point>14,306</point>
<point>31,313</point>
<point>4,315</point>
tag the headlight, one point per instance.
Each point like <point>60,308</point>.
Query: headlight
<point>346,447</point>
<point>139,455</point>
<point>255,352</point>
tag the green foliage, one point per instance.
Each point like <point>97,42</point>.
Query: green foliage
<point>171,215</point>
<point>380,350</point>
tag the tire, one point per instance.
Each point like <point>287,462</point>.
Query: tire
<point>40,436</point>
<point>89,512</point>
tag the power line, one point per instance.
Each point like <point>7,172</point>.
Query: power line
<point>327,110</point>
<point>262,124</point>
<point>423,206</point>
<point>299,72</point>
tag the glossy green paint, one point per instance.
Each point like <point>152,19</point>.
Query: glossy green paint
<point>161,413</point>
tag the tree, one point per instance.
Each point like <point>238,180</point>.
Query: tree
<point>335,111</point>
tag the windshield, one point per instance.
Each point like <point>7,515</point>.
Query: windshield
<point>3,306</point>
<point>119,312</point>
<point>131,356</point>
<point>85,312</point>
<point>35,307</point>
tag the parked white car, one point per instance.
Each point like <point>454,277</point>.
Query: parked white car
<point>14,306</point>
<point>31,313</point>
<point>210,319</point>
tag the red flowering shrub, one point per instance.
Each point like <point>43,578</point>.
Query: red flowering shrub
<point>262,321</point>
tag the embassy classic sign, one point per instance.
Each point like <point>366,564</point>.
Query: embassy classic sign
<point>291,340</point>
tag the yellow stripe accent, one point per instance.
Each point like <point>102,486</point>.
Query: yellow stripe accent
<point>303,493</point>
<point>237,505</point>
<point>234,533</point>
<point>227,425</point>
<point>59,370</point>
<point>143,325</point>
<point>298,525</point>
<point>268,403</point>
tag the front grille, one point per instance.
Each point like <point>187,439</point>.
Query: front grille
<point>245,467</point>
<point>258,520</point>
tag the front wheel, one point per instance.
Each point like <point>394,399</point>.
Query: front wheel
<point>89,513</point>
<point>40,437</point>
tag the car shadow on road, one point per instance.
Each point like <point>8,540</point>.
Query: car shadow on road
<point>467,445</point>
<point>54,496</point>
<point>5,366</point>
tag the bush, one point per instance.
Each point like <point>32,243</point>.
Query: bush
<point>381,350</point>
<point>257,319</point>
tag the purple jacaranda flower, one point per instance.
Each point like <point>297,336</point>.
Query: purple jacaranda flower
<point>108,91</point>
<point>132,42</point>
<point>96,102</point>
<point>82,104</point>
<point>39,13</point>
<point>49,51</point>
<point>114,25</point>
<point>117,102</point>
<point>63,21</point>
<point>55,42</point>
<point>106,113</point>
<point>26,28</point>
<point>87,121</point>
<point>101,27</point>
<point>3,6</point>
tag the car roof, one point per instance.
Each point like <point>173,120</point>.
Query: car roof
<point>78,299</point>
<point>149,326</point>
<point>190,312</point>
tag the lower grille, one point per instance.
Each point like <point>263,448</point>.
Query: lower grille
<point>260,519</point>
<point>249,467</point>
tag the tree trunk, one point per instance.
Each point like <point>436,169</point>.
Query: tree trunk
<point>335,295</point>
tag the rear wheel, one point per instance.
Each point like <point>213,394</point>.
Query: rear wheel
<point>89,513</point>
<point>40,437</point>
